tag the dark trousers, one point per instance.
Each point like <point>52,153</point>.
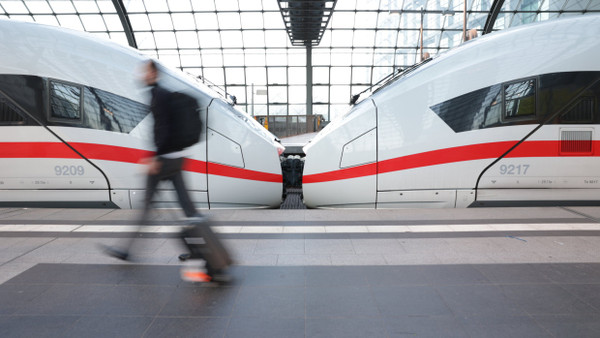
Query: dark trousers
<point>170,169</point>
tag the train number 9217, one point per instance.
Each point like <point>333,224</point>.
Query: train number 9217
<point>512,169</point>
<point>69,170</point>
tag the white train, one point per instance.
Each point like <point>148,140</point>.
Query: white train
<point>74,123</point>
<point>510,118</point>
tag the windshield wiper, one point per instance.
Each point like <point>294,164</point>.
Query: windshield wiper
<point>390,78</point>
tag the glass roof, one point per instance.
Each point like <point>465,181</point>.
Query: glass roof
<point>243,47</point>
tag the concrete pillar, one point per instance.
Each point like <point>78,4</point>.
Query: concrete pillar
<point>309,81</point>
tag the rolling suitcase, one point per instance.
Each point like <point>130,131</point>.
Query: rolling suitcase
<point>202,243</point>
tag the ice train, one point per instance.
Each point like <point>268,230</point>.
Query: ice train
<point>74,125</point>
<point>510,118</point>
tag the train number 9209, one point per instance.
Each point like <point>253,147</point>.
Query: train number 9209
<point>512,169</point>
<point>69,170</point>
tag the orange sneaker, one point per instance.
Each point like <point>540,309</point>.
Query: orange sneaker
<point>194,275</point>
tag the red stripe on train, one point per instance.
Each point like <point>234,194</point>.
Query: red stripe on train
<point>446,156</point>
<point>36,150</point>
<point>123,154</point>
<point>225,170</point>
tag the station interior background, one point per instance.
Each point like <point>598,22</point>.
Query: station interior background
<point>258,50</point>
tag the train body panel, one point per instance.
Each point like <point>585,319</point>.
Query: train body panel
<point>85,109</point>
<point>118,155</point>
<point>515,110</point>
<point>258,152</point>
<point>320,195</point>
<point>33,166</point>
<point>547,161</point>
<point>353,137</point>
<point>243,163</point>
<point>416,199</point>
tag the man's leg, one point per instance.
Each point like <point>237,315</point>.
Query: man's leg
<point>183,196</point>
<point>151,184</point>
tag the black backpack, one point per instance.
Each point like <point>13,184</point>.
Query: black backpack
<point>187,124</point>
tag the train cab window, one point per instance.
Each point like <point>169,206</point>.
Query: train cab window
<point>65,101</point>
<point>519,99</point>
<point>9,115</point>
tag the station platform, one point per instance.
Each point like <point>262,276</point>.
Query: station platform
<point>489,272</point>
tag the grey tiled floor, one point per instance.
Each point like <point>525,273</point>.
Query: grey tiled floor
<point>443,280</point>
<point>514,300</point>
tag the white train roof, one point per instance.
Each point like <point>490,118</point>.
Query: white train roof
<point>73,56</point>
<point>562,45</point>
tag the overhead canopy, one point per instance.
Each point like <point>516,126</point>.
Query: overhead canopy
<point>255,49</point>
<point>306,20</point>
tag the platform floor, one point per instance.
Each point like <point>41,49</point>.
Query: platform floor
<point>500,272</point>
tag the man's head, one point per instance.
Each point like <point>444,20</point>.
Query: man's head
<point>150,73</point>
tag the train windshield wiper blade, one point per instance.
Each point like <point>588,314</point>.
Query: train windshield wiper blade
<point>402,73</point>
<point>390,78</point>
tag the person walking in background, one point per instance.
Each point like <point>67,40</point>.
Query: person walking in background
<point>169,159</point>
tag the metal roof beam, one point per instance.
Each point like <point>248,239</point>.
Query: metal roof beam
<point>491,19</point>
<point>122,12</point>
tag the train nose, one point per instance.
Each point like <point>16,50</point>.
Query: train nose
<point>340,168</point>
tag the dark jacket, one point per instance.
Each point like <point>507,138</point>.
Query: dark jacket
<point>164,124</point>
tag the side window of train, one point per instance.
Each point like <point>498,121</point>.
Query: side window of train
<point>572,95</point>
<point>92,111</point>
<point>475,110</point>
<point>581,112</point>
<point>65,102</point>
<point>111,112</point>
<point>519,99</point>
<point>9,114</point>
